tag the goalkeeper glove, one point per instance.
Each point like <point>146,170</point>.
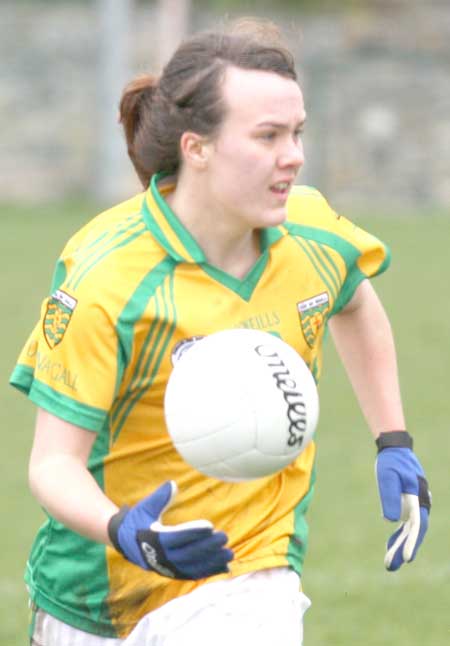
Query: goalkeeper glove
<point>404,496</point>
<point>191,550</point>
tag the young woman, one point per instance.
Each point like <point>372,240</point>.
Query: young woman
<point>220,238</point>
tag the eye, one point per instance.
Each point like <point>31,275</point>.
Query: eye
<point>298,133</point>
<point>269,135</point>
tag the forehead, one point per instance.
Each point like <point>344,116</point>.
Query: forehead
<point>252,96</point>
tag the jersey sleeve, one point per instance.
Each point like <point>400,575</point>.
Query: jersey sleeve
<point>370,258</point>
<point>362,254</point>
<point>70,365</point>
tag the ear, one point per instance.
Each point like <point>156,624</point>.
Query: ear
<point>194,149</point>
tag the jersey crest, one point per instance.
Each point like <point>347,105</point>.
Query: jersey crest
<point>312,313</point>
<point>60,307</point>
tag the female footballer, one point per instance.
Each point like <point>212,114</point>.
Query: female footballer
<point>138,547</point>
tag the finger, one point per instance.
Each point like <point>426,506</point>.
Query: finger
<point>219,562</point>
<point>389,486</point>
<point>155,504</point>
<point>411,507</point>
<point>211,560</point>
<point>208,546</point>
<point>157,526</point>
<point>191,549</point>
<point>424,519</point>
<point>209,565</point>
<point>181,539</point>
<point>394,555</point>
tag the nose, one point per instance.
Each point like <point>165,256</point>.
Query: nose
<point>292,155</point>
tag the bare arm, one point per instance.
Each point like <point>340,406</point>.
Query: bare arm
<point>60,481</point>
<point>364,341</point>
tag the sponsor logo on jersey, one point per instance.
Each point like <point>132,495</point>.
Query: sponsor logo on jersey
<point>54,369</point>
<point>312,312</point>
<point>261,321</point>
<point>60,307</point>
<point>183,346</point>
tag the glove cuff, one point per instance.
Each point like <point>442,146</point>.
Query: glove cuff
<point>113,527</point>
<point>394,439</point>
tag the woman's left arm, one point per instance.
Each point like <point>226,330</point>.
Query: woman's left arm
<point>364,341</point>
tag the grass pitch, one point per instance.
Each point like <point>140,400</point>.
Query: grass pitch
<point>355,602</point>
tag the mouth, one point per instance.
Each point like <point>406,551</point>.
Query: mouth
<point>281,189</point>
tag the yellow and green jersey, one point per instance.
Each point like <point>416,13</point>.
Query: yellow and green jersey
<point>129,289</point>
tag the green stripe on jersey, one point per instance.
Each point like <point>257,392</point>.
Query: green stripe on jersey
<point>242,287</point>
<point>134,310</point>
<point>349,252</point>
<point>59,276</point>
<point>78,569</point>
<point>330,268</point>
<point>184,236</point>
<point>105,245</point>
<point>22,377</point>
<point>157,233</point>
<point>77,566</point>
<point>159,287</point>
<point>66,408</point>
<point>298,543</point>
<point>304,244</point>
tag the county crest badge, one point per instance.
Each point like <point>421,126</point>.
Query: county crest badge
<point>312,312</point>
<point>60,307</point>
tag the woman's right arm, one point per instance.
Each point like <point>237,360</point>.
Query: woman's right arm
<point>60,480</point>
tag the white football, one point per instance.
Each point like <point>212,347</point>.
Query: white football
<point>240,404</point>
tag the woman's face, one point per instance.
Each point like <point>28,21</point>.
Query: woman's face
<point>257,153</point>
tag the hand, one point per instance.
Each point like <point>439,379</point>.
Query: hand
<point>191,550</point>
<point>404,496</point>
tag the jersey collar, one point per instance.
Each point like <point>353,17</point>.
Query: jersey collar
<point>171,234</point>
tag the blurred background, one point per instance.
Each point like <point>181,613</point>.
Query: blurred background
<point>376,79</point>
<point>375,75</point>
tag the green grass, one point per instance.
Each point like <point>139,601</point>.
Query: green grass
<point>355,602</point>
<point>31,240</point>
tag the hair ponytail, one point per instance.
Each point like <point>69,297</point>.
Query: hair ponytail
<point>133,108</point>
<point>188,96</point>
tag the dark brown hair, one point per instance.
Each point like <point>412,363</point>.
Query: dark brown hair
<point>155,112</point>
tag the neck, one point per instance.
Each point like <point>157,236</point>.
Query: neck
<point>228,243</point>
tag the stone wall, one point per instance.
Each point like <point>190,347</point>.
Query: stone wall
<point>376,83</point>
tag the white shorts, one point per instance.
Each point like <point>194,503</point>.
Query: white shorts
<point>49,631</point>
<point>264,607</point>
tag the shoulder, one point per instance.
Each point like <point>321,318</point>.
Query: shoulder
<point>109,257</point>
<point>309,215</point>
<point>307,206</point>
<point>107,223</point>
<point>113,239</point>
<point>312,219</point>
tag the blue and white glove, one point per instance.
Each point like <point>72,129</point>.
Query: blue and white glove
<point>404,496</point>
<point>191,550</point>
